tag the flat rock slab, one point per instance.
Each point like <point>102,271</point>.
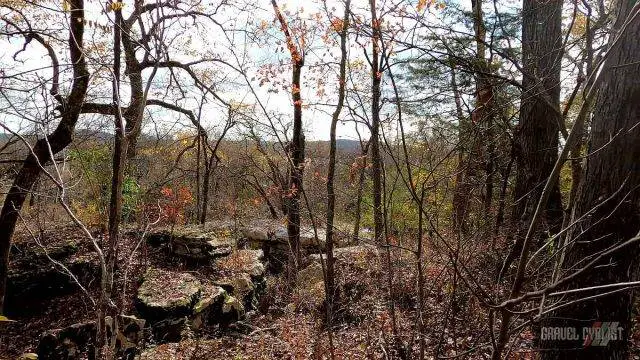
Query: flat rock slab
<point>273,233</point>
<point>165,294</point>
<point>193,242</point>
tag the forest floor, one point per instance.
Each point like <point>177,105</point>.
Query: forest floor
<point>288,322</point>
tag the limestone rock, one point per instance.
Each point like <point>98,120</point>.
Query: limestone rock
<point>68,343</point>
<point>32,275</point>
<point>193,242</point>
<point>208,307</point>
<point>130,334</point>
<point>165,294</point>
<point>171,330</point>
<point>77,341</point>
<point>241,286</point>
<point>352,254</point>
<point>232,310</point>
<point>310,283</point>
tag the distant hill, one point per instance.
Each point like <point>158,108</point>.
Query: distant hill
<point>342,145</point>
<point>348,145</point>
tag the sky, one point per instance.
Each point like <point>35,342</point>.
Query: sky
<point>316,118</point>
<point>230,85</point>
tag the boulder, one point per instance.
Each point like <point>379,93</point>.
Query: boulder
<point>272,238</point>
<point>176,304</point>
<point>308,240</point>
<point>310,284</point>
<point>68,343</point>
<point>209,306</point>
<point>34,275</point>
<point>232,310</point>
<point>244,261</point>
<point>171,330</point>
<point>241,286</point>
<point>200,247</point>
<point>165,294</point>
<point>130,334</point>
<point>352,260</point>
<point>43,279</point>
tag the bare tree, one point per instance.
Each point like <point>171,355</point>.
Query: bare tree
<point>296,146</point>
<point>70,107</point>
<point>330,287</point>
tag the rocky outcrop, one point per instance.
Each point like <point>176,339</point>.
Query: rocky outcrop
<point>193,242</point>
<point>77,341</point>
<point>177,303</point>
<point>208,308</point>
<point>242,288</point>
<point>272,238</point>
<point>310,284</point>
<point>351,261</point>
<point>37,270</point>
<point>244,276</point>
<point>68,343</point>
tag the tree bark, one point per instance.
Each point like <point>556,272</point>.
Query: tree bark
<point>462,188</point>
<point>361,177</point>
<point>295,147</point>
<point>537,135</point>
<point>376,161</point>
<point>611,182</point>
<point>296,151</point>
<point>536,138</point>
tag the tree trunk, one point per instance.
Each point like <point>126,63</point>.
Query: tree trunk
<point>460,201</point>
<point>115,202</point>
<point>361,177</point>
<point>296,151</point>
<point>611,181</point>
<point>330,289</point>
<point>536,139</point>
<point>376,162</point>
<point>537,136</point>
<point>58,140</point>
<point>295,148</point>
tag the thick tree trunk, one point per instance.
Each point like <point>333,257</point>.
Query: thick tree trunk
<point>58,140</point>
<point>536,139</point>
<point>537,136</point>
<point>612,183</point>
